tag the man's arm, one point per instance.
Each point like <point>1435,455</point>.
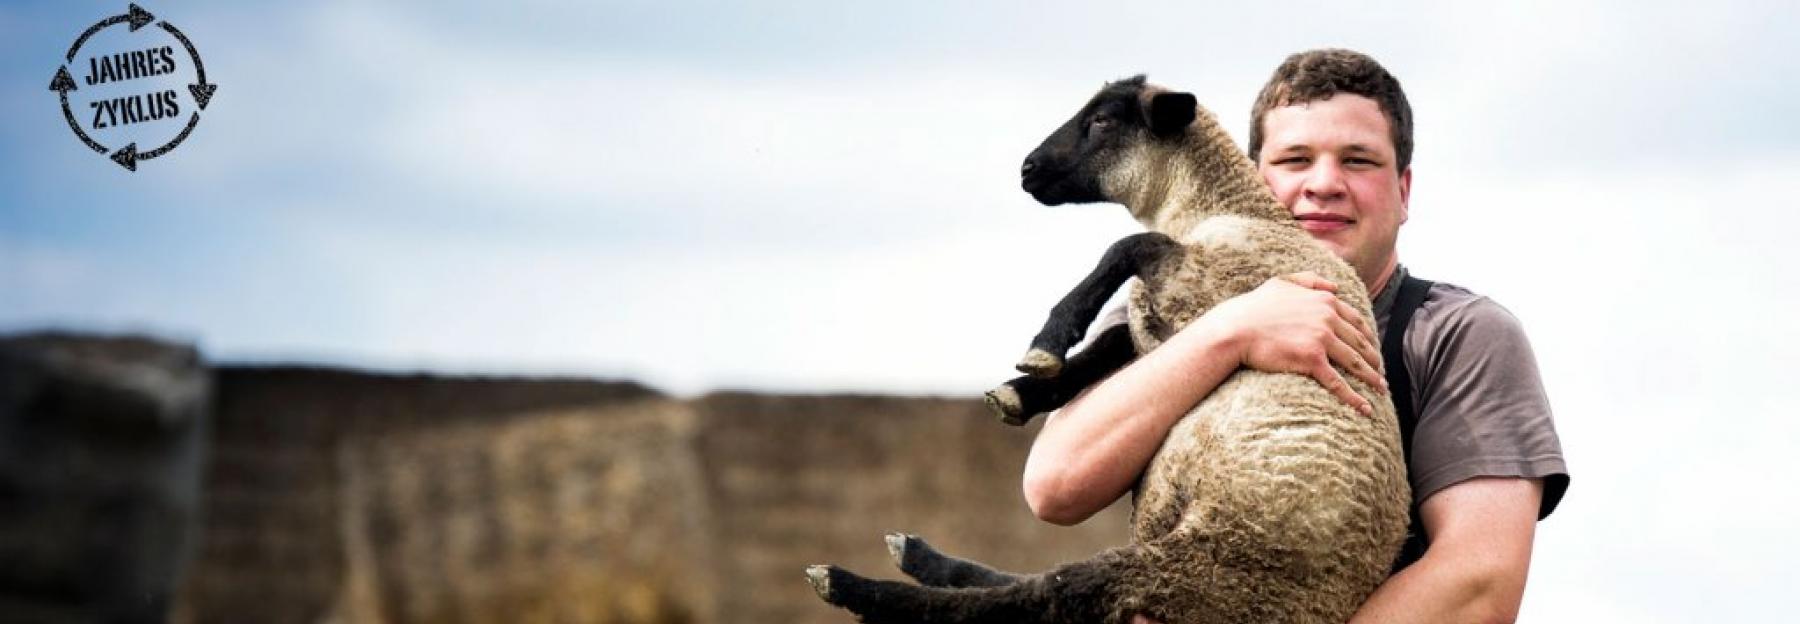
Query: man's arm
<point>1090,452</point>
<point>1474,571</point>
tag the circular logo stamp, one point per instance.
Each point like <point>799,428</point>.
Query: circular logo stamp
<point>128,89</point>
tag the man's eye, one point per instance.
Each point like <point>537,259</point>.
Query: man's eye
<point>1291,160</point>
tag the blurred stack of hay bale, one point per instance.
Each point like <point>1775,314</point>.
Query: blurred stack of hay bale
<point>102,445</point>
<point>333,495</point>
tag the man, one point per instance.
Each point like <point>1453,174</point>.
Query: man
<point>1332,136</point>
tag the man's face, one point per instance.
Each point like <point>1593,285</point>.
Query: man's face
<point>1331,162</point>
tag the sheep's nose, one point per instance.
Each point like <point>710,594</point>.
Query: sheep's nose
<point>1029,165</point>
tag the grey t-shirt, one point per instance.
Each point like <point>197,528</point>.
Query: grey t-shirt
<point>1481,406</point>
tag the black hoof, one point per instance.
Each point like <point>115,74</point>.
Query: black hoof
<point>845,590</point>
<point>916,558</point>
<point>1040,363</point>
<point>1006,405</point>
<point>897,543</point>
<point>820,576</point>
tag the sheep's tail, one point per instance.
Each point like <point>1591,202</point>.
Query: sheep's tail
<point>1105,588</point>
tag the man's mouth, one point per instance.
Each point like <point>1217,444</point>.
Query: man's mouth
<point>1324,223</point>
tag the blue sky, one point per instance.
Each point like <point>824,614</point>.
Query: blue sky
<point>822,196</point>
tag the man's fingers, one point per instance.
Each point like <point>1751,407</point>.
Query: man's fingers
<point>1336,385</point>
<point>1371,355</point>
<point>1367,331</point>
<point>1311,280</point>
<point>1362,357</point>
<point>1357,363</point>
<point>1350,335</point>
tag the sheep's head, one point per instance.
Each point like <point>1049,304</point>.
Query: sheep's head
<point>1074,163</point>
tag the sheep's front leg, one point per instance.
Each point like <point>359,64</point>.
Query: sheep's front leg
<point>1132,255</point>
<point>934,569</point>
<point>1016,402</point>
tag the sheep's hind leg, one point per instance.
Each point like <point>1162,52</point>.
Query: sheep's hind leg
<point>1016,402</point>
<point>1077,592</point>
<point>932,568</point>
<point>1130,256</point>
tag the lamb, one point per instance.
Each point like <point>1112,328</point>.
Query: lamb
<point>1272,500</point>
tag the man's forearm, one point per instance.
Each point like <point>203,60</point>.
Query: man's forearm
<point>1480,553</point>
<point>1443,590</point>
<point>1091,451</point>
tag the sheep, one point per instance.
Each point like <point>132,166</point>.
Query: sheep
<point>1272,500</point>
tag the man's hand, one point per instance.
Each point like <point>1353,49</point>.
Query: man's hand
<point>1295,324</point>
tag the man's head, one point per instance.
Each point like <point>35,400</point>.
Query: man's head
<point>1332,135</point>
<point>1320,74</point>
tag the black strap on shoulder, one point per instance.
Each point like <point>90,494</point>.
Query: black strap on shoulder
<point>1393,354</point>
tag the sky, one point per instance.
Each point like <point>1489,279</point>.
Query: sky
<point>823,197</point>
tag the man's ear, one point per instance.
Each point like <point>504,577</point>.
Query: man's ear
<point>1170,112</point>
<point>1405,194</point>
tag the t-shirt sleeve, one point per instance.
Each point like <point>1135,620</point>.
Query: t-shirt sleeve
<point>1482,409</point>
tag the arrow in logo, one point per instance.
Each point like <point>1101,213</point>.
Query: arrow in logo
<point>202,90</point>
<point>62,84</point>
<point>135,15</point>
<point>138,17</point>
<point>127,157</point>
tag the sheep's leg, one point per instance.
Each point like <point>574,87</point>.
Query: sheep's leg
<point>1130,256</point>
<point>932,568</point>
<point>1016,402</point>
<point>1077,592</point>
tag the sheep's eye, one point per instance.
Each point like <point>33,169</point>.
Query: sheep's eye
<point>1101,122</point>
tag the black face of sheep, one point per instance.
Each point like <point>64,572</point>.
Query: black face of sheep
<point>1069,166</point>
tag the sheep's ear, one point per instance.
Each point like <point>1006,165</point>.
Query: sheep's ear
<point>1170,112</point>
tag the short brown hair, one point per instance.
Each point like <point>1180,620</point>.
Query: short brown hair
<point>1319,74</point>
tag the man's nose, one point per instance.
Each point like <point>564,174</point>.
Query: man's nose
<point>1325,182</point>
